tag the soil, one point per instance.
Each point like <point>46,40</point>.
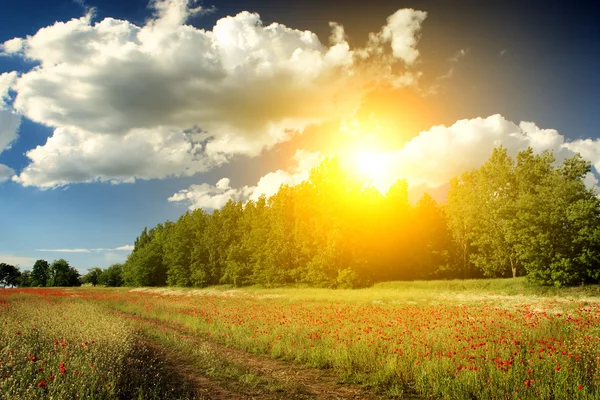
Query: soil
<point>297,381</point>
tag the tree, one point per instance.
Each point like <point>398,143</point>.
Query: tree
<point>460,217</point>
<point>9,275</point>
<point>178,246</point>
<point>493,207</point>
<point>62,274</point>
<point>145,265</point>
<point>25,279</point>
<point>112,276</point>
<point>558,230</point>
<point>40,274</point>
<point>92,276</point>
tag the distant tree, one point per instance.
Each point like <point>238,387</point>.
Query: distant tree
<point>9,275</point>
<point>40,274</point>
<point>62,274</point>
<point>112,276</point>
<point>25,279</point>
<point>92,276</point>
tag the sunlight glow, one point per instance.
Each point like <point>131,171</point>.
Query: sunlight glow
<point>370,164</point>
<point>373,167</point>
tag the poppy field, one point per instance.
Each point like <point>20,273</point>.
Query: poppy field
<point>415,341</point>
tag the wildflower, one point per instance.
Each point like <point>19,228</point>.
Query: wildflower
<point>41,384</point>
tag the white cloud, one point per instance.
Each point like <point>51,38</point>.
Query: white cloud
<point>97,250</point>
<point>73,156</point>
<point>443,152</point>
<point>429,161</point>
<point>12,46</point>
<point>9,121</point>
<point>5,173</point>
<point>111,87</point>
<point>64,250</point>
<point>22,262</point>
<point>214,197</point>
<point>402,31</point>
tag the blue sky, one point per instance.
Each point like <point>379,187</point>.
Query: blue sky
<point>137,118</point>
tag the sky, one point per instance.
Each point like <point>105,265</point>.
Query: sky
<point>119,115</point>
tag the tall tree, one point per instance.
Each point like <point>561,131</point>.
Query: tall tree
<point>40,274</point>
<point>459,212</point>
<point>493,207</point>
<point>62,274</point>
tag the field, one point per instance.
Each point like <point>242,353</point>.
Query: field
<point>495,339</point>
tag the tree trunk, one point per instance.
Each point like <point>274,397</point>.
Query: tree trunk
<point>465,256</point>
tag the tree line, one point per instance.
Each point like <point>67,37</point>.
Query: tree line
<point>530,215</point>
<point>511,217</point>
<point>43,274</point>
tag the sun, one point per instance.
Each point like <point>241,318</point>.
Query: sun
<point>372,167</point>
<point>370,164</point>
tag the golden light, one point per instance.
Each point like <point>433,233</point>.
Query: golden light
<point>373,167</point>
<point>369,164</point>
<point>365,152</point>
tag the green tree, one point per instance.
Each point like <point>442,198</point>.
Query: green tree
<point>9,275</point>
<point>460,217</point>
<point>145,265</point>
<point>62,274</point>
<point>558,221</point>
<point>25,279</point>
<point>92,276</point>
<point>178,248</point>
<point>493,207</point>
<point>112,276</point>
<point>40,274</point>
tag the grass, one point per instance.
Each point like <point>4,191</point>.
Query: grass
<point>484,339</point>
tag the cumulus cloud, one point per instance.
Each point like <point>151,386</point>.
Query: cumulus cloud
<point>5,173</point>
<point>244,86</point>
<point>435,156</point>
<point>427,162</point>
<point>214,197</point>
<point>9,121</point>
<point>401,31</point>
<point>72,156</point>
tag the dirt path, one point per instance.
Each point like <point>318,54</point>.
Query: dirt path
<point>298,382</point>
<point>203,387</point>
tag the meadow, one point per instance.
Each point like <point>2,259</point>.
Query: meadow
<point>474,339</point>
